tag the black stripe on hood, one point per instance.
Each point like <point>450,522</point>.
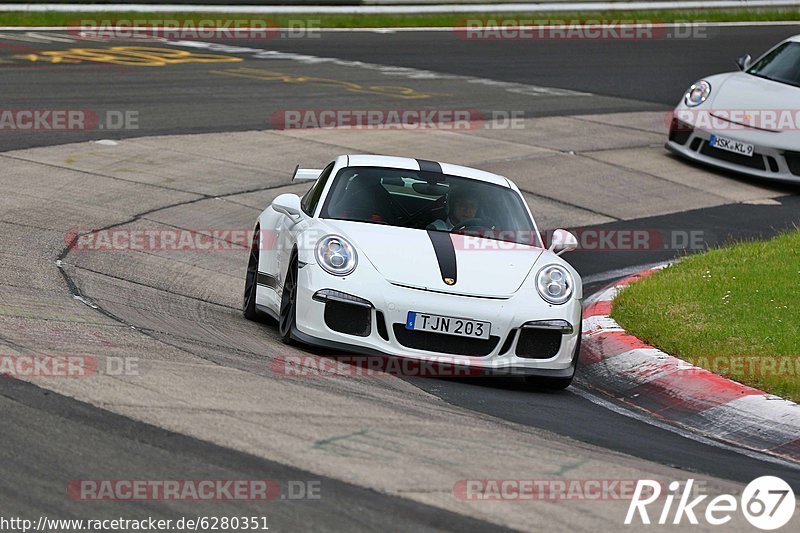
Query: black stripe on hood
<point>445,255</point>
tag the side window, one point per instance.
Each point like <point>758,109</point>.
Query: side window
<point>310,200</point>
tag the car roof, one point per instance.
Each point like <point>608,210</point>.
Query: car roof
<point>795,38</point>
<point>362,160</point>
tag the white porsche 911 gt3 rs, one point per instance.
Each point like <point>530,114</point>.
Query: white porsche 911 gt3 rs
<point>417,259</point>
<point>748,121</point>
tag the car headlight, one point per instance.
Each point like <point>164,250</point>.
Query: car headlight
<point>336,256</point>
<point>697,93</point>
<point>554,283</point>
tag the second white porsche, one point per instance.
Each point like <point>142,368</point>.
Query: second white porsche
<point>417,259</point>
<point>748,121</point>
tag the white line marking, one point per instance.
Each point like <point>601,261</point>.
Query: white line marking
<point>778,419</point>
<point>752,454</point>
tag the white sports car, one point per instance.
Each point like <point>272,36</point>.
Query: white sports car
<point>417,259</point>
<point>746,121</point>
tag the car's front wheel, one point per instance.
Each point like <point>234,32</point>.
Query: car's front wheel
<point>289,302</point>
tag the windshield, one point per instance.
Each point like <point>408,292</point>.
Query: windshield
<point>782,64</point>
<point>432,201</point>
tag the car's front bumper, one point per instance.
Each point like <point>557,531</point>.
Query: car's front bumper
<point>390,303</point>
<point>769,160</point>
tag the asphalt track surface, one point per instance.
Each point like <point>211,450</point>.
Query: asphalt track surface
<point>68,438</point>
<point>621,75</point>
<point>639,76</point>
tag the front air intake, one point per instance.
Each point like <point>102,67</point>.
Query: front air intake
<point>679,132</point>
<point>348,318</point>
<point>441,343</point>
<point>536,343</point>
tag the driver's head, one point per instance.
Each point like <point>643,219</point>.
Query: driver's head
<point>462,205</point>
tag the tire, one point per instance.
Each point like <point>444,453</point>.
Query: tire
<point>251,281</point>
<point>288,312</point>
<point>537,382</point>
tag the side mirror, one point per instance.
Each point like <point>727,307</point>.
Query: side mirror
<point>743,62</point>
<point>288,204</point>
<point>563,241</point>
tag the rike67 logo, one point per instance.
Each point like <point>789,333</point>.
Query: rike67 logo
<point>767,503</point>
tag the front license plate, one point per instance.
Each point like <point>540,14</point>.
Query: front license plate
<point>462,327</point>
<point>730,145</point>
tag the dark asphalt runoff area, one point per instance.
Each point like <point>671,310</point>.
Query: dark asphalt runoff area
<point>48,438</point>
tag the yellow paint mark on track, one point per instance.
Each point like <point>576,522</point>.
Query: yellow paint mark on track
<point>395,91</point>
<point>135,56</point>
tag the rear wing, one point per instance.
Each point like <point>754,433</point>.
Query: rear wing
<point>306,174</point>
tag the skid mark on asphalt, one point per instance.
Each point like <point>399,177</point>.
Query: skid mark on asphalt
<point>569,466</point>
<point>324,442</point>
<point>379,444</point>
<point>369,444</point>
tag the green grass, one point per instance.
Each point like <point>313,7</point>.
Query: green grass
<point>733,310</point>
<point>19,18</point>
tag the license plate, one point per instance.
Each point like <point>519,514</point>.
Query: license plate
<point>448,325</point>
<point>730,145</point>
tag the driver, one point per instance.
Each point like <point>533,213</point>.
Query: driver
<point>462,205</point>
